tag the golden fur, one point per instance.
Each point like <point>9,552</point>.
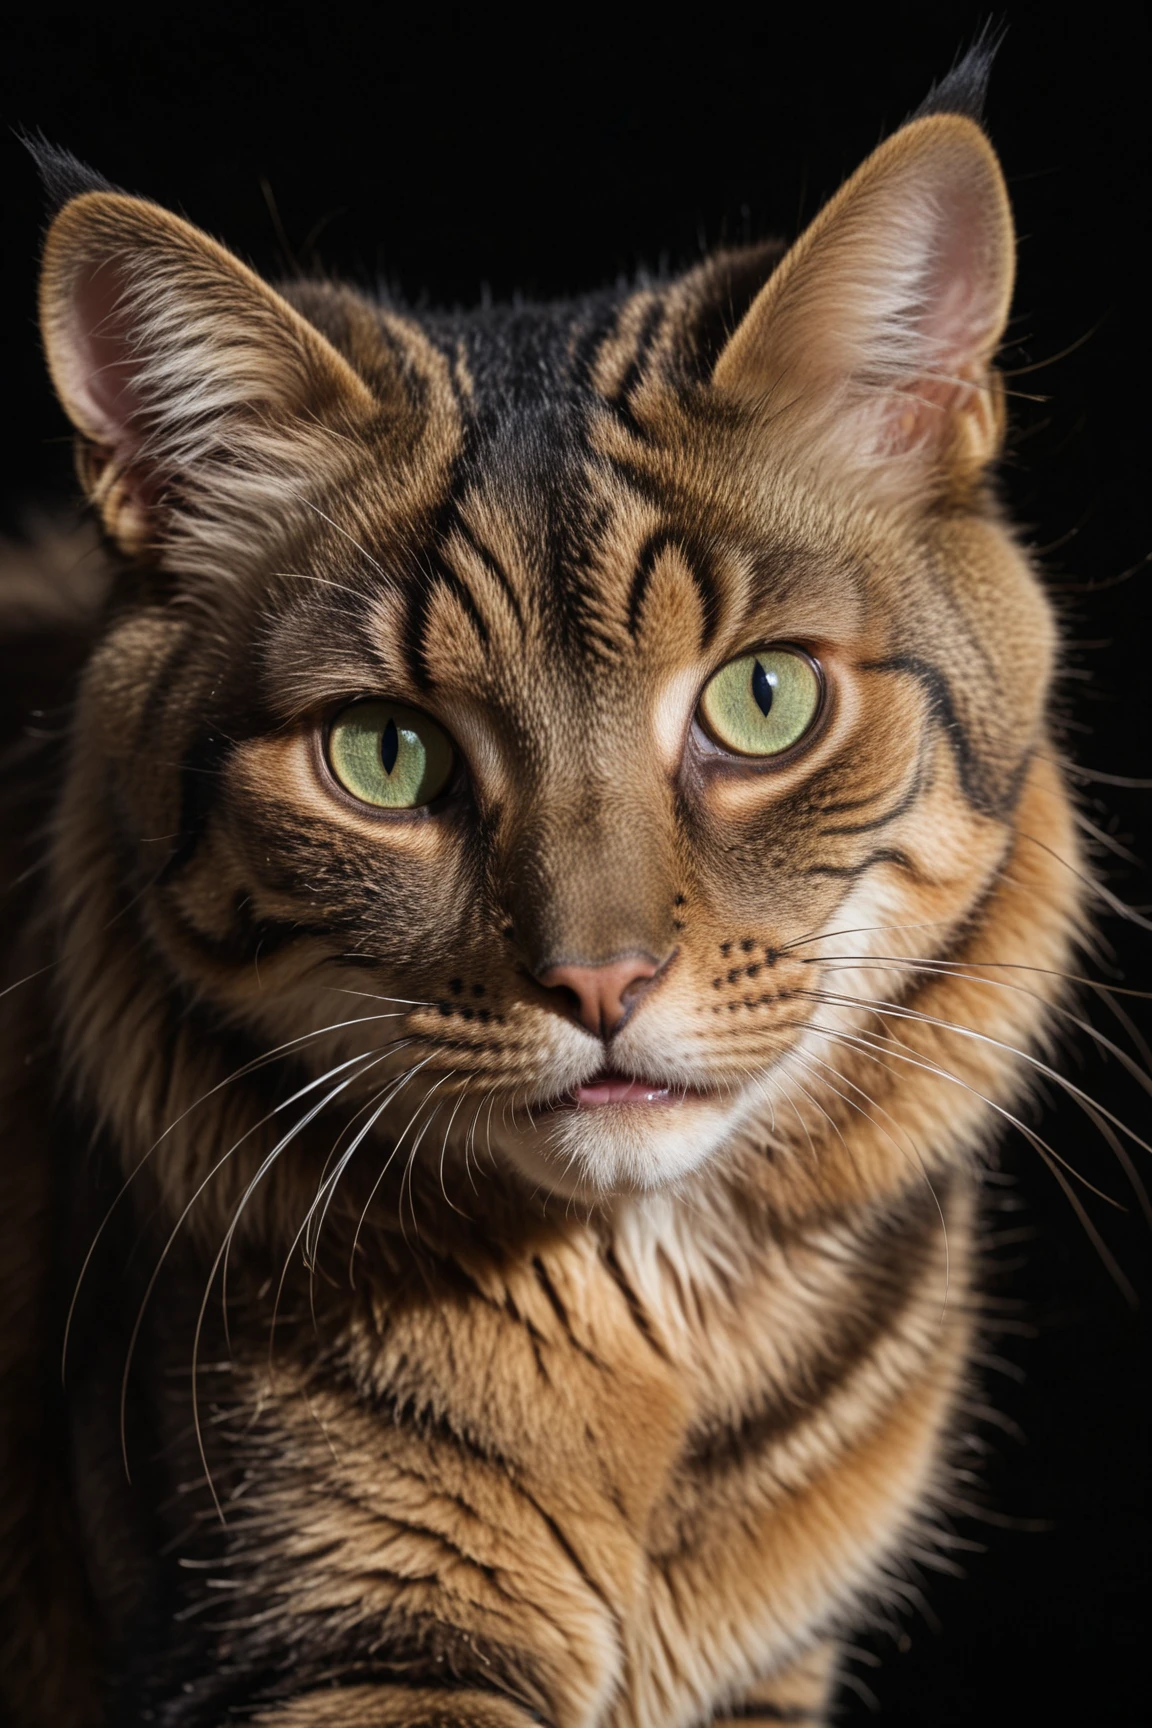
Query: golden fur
<point>441,1408</point>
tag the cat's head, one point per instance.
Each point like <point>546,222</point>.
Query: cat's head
<point>542,699</point>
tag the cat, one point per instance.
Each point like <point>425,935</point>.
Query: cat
<point>554,871</point>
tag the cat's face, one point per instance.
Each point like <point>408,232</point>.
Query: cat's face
<point>561,707</point>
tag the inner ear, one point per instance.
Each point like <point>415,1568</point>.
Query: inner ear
<point>955,325</point>
<point>199,392</point>
<point>108,405</point>
<point>103,384</point>
<point>879,327</point>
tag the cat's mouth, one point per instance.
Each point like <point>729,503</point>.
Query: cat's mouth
<point>620,1132</point>
<point>608,1088</point>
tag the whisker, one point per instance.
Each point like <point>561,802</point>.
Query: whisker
<point>255,1063</point>
<point>372,1059</point>
<point>864,930</point>
<point>328,1187</point>
<point>1093,885</point>
<point>444,1150</point>
<point>830,1119</point>
<point>312,1260</point>
<point>892,1011</point>
<point>1051,1158</point>
<point>1125,780</point>
<point>470,1142</point>
<point>989,965</point>
<point>863,962</point>
<point>292,1132</point>
<point>380,1054</point>
<point>1108,841</point>
<point>1106,993</point>
<point>301,1232</point>
<point>375,996</point>
<point>383,1172</point>
<point>892,1046</point>
<point>488,1126</point>
<point>392,1088</point>
<point>407,1176</point>
<point>364,553</point>
<point>804,1124</point>
<point>319,581</point>
<point>916,1153</point>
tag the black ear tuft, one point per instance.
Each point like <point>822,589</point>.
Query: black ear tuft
<point>62,175</point>
<point>964,89</point>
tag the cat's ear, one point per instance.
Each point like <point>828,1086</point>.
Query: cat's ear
<point>201,397</point>
<point>879,327</point>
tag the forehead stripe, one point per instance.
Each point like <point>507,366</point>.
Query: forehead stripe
<point>591,341</point>
<point>699,569</point>
<point>437,572</point>
<point>620,402</point>
<point>494,569</point>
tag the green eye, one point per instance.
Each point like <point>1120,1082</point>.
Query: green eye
<point>762,703</point>
<point>389,755</point>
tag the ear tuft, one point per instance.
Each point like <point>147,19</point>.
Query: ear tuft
<point>964,90</point>
<point>62,175</point>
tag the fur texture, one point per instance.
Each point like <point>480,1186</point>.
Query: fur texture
<point>444,1404</point>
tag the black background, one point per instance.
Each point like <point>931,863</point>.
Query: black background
<point>476,157</point>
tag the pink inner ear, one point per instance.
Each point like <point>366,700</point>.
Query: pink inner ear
<point>102,363</point>
<point>963,309</point>
<point>103,369</point>
<point>958,320</point>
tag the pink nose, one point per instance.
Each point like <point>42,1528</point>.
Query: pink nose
<point>603,994</point>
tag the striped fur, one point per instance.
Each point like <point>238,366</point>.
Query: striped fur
<point>442,1408</point>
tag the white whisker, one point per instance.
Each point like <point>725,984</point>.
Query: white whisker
<point>862,962</point>
<point>861,1041</point>
<point>383,1172</point>
<point>916,1153</point>
<point>257,1062</point>
<point>219,1165</point>
<point>891,1011</point>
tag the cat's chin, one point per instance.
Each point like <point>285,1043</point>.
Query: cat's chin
<point>634,1145</point>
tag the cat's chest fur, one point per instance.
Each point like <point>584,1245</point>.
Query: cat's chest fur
<point>620,1441</point>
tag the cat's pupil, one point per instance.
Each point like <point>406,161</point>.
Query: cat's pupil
<point>389,747</point>
<point>761,688</point>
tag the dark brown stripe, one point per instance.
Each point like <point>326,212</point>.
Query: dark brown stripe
<point>491,565</point>
<point>419,609</point>
<point>976,779</point>
<point>411,1653</point>
<point>568,1550</point>
<point>561,1313</point>
<point>645,564</point>
<point>620,402</point>
<point>892,1257</point>
<point>882,855</point>
<point>900,808</point>
<point>635,1306</point>
<point>699,569</point>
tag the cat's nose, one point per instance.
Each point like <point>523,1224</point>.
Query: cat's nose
<point>601,996</point>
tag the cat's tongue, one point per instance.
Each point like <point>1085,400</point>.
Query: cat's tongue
<point>614,1089</point>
